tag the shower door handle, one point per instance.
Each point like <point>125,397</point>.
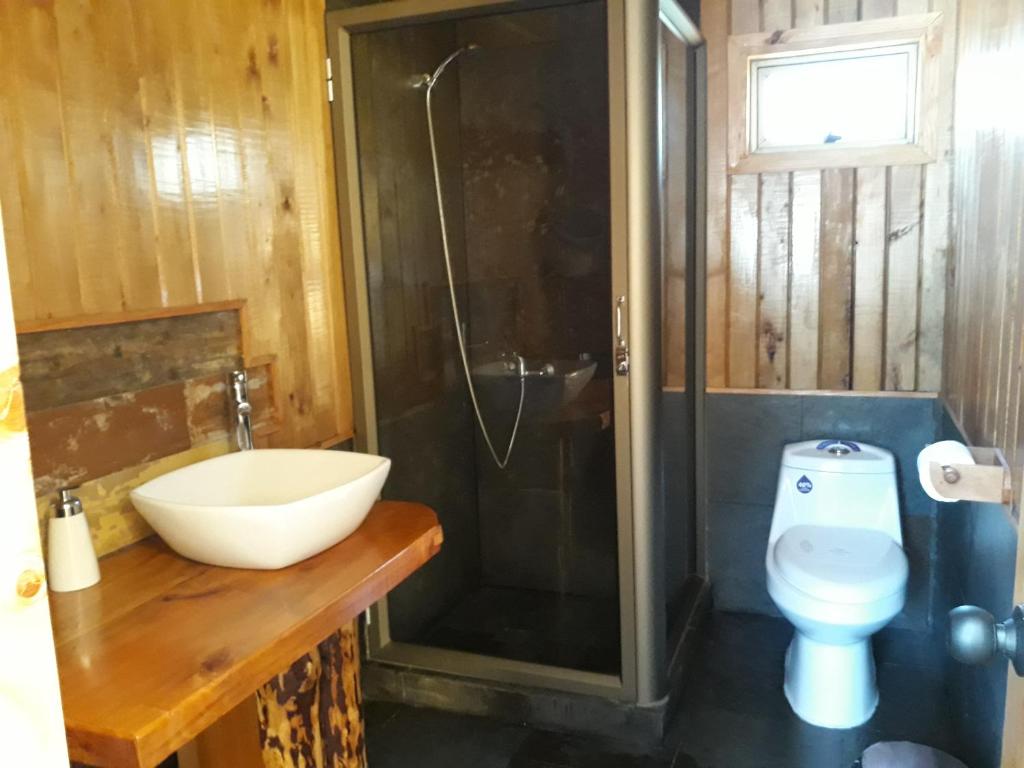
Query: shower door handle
<point>621,347</point>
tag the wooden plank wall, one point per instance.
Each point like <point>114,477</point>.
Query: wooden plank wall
<point>831,279</point>
<point>164,154</point>
<point>983,380</point>
<point>985,326</point>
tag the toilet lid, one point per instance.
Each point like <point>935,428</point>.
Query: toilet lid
<point>843,565</point>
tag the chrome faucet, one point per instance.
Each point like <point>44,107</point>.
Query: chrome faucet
<point>243,410</point>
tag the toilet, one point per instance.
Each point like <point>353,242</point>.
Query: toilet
<point>837,572</point>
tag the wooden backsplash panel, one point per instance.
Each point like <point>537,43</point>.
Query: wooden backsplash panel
<point>166,154</point>
<point>85,440</point>
<point>830,279</point>
<point>73,365</point>
<point>129,400</point>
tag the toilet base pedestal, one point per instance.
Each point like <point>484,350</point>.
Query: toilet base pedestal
<point>832,686</point>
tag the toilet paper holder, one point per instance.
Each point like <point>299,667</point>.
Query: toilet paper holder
<point>988,479</point>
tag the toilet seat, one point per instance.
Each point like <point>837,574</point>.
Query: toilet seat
<point>841,565</point>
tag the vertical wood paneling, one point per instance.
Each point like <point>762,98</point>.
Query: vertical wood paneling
<point>837,244</point>
<point>33,110</point>
<point>743,278</point>
<point>806,324</point>
<point>869,280</point>
<point>983,368</point>
<point>742,238</point>
<point>163,154</point>
<point>773,291</point>
<point>807,282</point>
<point>838,202</point>
<point>136,242</point>
<point>857,303</point>
<point>903,254</point>
<point>936,222</point>
<point>775,218</point>
<point>903,261</point>
<point>179,279</point>
<point>84,97</point>
<point>714,19</point>
<point>676,104</point>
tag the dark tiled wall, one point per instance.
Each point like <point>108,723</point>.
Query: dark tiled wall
<point>977,550</point>
<point>679,499</point>
<point>746,434</point>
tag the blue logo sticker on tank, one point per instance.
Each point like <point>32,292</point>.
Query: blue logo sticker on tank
<point>824,444</point>
<point>804,485</point>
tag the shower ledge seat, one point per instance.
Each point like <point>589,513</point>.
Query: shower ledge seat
<point>163,647</point>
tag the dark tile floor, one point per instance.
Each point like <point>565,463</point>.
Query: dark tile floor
<point>531,625</point>
<point>733,715</point>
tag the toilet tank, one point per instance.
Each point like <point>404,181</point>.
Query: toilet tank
<point>837,483</point>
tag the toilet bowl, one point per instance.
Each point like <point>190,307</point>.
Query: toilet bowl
<point>837,571</point>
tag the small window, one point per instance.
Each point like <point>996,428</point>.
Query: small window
<point>819,98</point>
<point>861,98</point>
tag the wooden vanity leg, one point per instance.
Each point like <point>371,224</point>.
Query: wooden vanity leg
<point>311,715</point>
<point>341,700</point>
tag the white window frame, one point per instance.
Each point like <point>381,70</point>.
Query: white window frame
<point>748,52</point>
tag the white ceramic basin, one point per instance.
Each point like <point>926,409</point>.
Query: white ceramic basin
<point>264,508</point>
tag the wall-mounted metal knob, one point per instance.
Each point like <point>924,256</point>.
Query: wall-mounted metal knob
<point>976,638</point>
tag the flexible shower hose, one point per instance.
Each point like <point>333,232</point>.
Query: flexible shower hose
<point>501,461</point>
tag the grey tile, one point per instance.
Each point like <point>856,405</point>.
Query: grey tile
<point>735,716</point>
<point>953,547</point>
<point>947,428</point>
<point>992,558</point>
<point>543,748</point>
<point>901,425</point>
<point>678,492</point>
<point>913,705</point>
<point>741,669</point>
<point>737,543</point>
<point>745,436</point>
<point>721,738</point>
<point>910,648</point>
<point>919,545</point>
<point>979,694</point>
<point>429,739</point>
<point>976,551</point>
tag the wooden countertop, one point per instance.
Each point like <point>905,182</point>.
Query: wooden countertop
<point>163,647</point>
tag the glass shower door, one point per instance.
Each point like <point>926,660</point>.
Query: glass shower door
<point>552,570</point>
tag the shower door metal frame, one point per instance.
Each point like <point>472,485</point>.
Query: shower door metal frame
<point>635,254</point>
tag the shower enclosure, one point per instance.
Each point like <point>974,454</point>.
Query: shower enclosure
<point>511,259</point>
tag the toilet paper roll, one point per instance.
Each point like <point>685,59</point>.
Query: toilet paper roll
<point>942,452</point>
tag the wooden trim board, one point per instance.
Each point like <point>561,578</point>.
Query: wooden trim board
<point>822,393</point>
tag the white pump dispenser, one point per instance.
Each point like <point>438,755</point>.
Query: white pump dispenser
<point>71,562</point>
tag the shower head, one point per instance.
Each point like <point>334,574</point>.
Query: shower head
<point>428,81</point>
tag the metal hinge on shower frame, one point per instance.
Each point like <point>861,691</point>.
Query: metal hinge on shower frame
<point>330,81</point>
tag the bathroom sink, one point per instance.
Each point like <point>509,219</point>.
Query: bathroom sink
<point>266,508</point>
<point>549,385</point>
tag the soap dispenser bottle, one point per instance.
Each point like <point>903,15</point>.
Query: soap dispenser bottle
<point>71,560</point>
